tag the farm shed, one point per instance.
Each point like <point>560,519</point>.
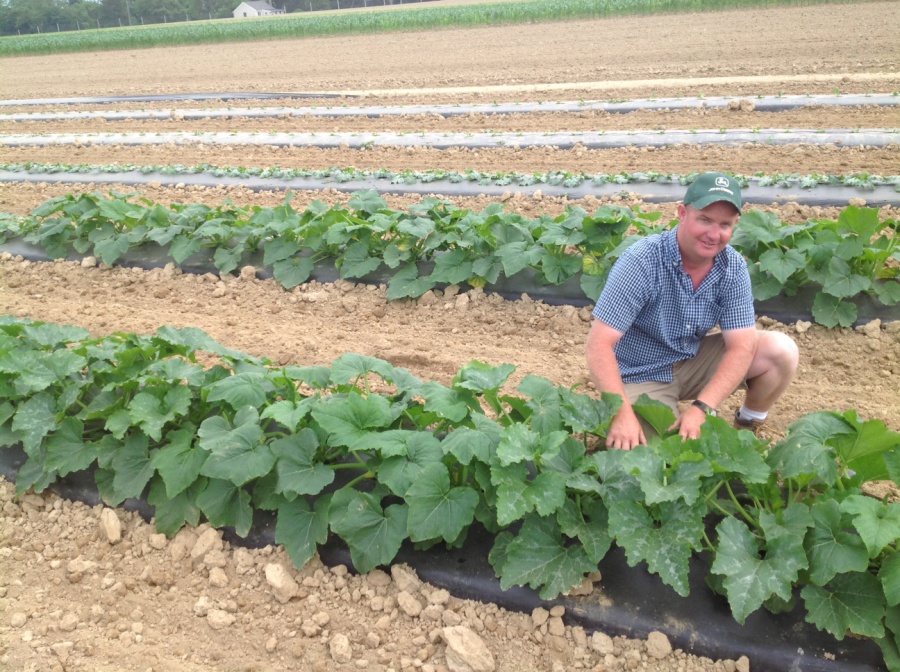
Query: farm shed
<point>255,8</point>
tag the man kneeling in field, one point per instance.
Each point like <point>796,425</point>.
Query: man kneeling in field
<point>663,296</point>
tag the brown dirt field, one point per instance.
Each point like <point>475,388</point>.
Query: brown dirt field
<point>624,50</point>
<point>72,599</point>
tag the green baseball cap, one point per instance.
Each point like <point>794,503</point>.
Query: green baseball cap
<point>711,188</point>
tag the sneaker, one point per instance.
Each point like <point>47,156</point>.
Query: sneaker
<point>754,426</point>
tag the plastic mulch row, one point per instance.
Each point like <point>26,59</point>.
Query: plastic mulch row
<point>628,601</point>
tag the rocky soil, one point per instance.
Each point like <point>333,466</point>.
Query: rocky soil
<point>93,589</point>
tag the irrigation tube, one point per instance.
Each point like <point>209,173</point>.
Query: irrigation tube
<point>762,104</point>
<point>649,192</point>
<point>166,97</point>
<point>559,140</point>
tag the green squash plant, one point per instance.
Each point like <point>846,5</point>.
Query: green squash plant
<point>366,451</point>
<point>436,244</point>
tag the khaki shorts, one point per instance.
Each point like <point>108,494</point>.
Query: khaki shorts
<point>690,376</point>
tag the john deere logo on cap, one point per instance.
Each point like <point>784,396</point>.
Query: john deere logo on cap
<point>722,182</point>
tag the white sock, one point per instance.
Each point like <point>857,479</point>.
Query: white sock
<point>746,414</point>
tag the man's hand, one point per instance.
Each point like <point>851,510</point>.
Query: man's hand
<point>688,423</point>
<point>625,432</point>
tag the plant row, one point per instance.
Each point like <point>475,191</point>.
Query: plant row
<point>370,453</point>
<point>436,243</point>
<point>562,178</point>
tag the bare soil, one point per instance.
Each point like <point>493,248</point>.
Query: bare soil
<point>74,597</point>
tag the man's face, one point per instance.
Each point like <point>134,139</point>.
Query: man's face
<point>702,234</point>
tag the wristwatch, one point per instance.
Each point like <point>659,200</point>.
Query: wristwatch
<point>703,406</point>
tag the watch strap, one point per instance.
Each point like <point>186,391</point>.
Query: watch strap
<point>703,406</point>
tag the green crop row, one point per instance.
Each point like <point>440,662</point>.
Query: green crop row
<point>570,180</point>
<point>436,243</point>
<point>420,461</point>
<point>374,21</point>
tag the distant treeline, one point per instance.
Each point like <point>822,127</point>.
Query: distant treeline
<point>20,17</point>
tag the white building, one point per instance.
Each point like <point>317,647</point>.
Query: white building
<point>255,8</point>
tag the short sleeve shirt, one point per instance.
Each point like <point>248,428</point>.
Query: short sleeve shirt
<point>651,299</point>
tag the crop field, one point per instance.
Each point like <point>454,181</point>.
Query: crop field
<point>402,145</point>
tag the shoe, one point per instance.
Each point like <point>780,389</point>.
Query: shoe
<point>754,426</point>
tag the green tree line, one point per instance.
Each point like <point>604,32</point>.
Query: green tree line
<point>19,17</point>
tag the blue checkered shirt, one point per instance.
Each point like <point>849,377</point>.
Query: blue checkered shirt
<point>651,300</point>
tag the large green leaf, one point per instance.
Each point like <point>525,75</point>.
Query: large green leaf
<point>467,444</point>
<point>849,603</point>
<point>590,525</point>
<point>732,452</point>
<point>67,451</point>
<point>407,283</point>
<point>53,335</point>
<point>33,475</point>
<point>293,271</point>
<point>655,412</point>
<point>583,413</point>
<point>454,405</point>
<point>152,410</point>
<point>805,453</point>
<point>288,413</point>
<point>453,267</point>
<point>34,419</point>
<point>373,535</point>
<point>782,264</point>
<point>842,282</point>
<point>519,444</point>
<point>349,418</point>
<point>399,472</point>
<point>240,389</point>
<point>831,548</point>
<point>194,339</point>
<point>519,255</point>
<point>543,401</point>
<point>557,269</point>
<point>512,504</point>
<point>889,575</point>
<point>480,377</point>
<point>178,461</point>
<point>237,451</point>
<point>863,222</point>
<point>541,558</point>
<point>350,367</point>
<point>298,467</point>
<point>878,523</point>
<point>357,261</point>
<point>172,512</point>
<point>665,544</point>
<point>437,510</point>
<point>663,484</point>
<point>831,311</point>
<point>865,450</point>
<point>367,200</point>
<point>301,529</point>
<point>749,578</point>
<point>226,505</point>
<point>132,467</point>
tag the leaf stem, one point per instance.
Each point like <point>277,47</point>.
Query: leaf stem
<point>359,478</point>
<point>740,508</point>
